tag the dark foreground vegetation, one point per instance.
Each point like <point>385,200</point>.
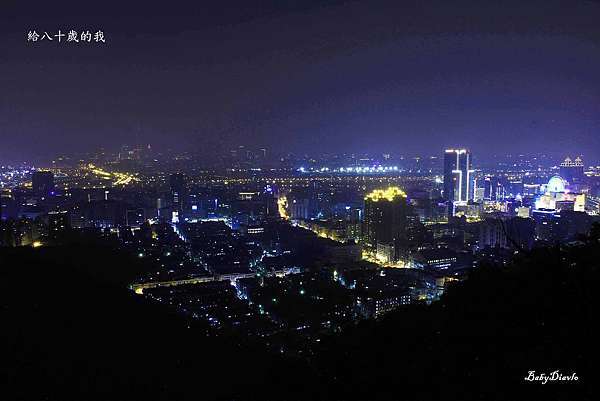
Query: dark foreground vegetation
<point>71,330</point>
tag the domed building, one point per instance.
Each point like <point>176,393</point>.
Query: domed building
<point>556,184</point>
<point>557,196</point>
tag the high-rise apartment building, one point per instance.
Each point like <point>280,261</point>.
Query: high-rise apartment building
<point>458,177</point>
<point>385,223</point>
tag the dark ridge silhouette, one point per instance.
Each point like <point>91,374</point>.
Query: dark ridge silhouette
<point>484,336</point>
<point>71,330</point>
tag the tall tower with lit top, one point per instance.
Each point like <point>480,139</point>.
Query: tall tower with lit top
<point>458,176</point>
<point>385,223</point>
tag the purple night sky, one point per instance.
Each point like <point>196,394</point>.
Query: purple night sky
<point>395,76</point>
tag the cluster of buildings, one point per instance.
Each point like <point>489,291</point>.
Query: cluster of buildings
<point>447,220</point>
<point>297,252</point>
<point>518,208</point>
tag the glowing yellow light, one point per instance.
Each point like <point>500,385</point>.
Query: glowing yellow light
<point>120,178</point>
<point>37,244</point>
<point>388,194</point>
<point>282,207</point>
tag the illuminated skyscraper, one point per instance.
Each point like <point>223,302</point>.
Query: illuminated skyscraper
<point>458,176</point>
<point>493,188</point>
<point>178,191</point>
<point>385,223</point>
<point>572,170</point>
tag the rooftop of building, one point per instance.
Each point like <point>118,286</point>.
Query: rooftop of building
<point>388,194</point>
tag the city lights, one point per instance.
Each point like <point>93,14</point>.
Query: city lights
<point>299,200</point>
<point>388,194</point>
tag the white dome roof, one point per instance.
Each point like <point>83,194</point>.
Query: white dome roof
<point>556,184</point>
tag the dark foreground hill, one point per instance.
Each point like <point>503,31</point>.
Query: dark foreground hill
<point>484,337</point>
<point>70,330</point>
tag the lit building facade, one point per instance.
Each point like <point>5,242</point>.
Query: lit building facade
<point>385,224</point>
<point>178,188</point>
<point>572,170</point>
<point>558,197</point>
<point>458,177</point>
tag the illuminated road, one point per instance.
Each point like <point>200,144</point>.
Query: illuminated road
<point>118,178</point>
<point>139,288</point>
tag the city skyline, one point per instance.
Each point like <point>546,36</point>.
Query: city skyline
<point>269,157</point>
<point>299,200</point>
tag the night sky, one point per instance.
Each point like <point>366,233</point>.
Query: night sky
<point>304,76</point>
